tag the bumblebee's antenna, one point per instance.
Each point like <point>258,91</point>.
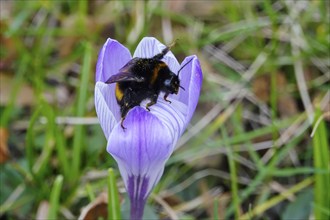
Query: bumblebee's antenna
<point>184,65</point>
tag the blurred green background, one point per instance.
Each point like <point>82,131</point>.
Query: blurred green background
<point>257,147</point>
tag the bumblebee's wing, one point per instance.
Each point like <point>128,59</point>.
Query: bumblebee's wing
<point>128,66</point>
<point>124,77</point>
<point>125,74</point>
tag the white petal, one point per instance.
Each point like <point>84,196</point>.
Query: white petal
<point>150,46</point>
<point>103,104</point>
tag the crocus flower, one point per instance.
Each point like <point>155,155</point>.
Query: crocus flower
<point>142,149</point>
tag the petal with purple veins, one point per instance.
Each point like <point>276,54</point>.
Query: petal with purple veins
<point>150,46</point>
<point>172,115</point>
<point>112,57</point>
<point>191,79</point>
<point>142,148</point>
<point>106,107</point>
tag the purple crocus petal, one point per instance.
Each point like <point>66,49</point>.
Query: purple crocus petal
<point>106,107</point>
<point>172,115</point>
<point>191,79</point>
<point>140,150</point>
<point>112,57</point>
<point>150,46</point>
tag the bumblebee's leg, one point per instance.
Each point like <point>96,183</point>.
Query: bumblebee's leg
<point>161,54</point>
<point>152,102</point>
<point>124,110</point>
<point>122,123</point>
<point>165,98</point>
<point>164,51</point>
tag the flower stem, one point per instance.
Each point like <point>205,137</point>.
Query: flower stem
<point>137,208</point>
<point>137,191</point>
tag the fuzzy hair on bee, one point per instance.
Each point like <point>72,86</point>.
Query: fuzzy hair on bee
<point>144,78</point>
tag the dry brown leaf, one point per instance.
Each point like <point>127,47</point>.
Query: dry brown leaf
<point>177,6</point>
<point>260,87</point>
<point>172,200</point>
<point>285,102</point>
<point>73,23</point>
<point>195,8</point>
<point>4,154</point>
<point>8,45</point>
<point>223,200</point>
<point>96,209</point>
<point>207,197</point>
<point>25,96</point>
<point>201,8</point>
<point>211,161</point>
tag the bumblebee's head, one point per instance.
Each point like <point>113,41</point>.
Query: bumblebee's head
<point>172,84</point>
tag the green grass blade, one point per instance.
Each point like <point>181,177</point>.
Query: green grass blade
<point>55,197</point>
<point>216,209</point>
<point>90,192</point>
<point>268,169</point>
<point>42,165</point>
<point>194,148</point>
<point>237,122</point>
<point>18,22</point>
<point>287,172</point>
<point>30,140</point>
<point>61,151</point>
<point>113,197</point>
<point>277,199</point>
<point>80,111</point>
<point>321,161</point>
<point>233,174</point>
<point>7,113</point>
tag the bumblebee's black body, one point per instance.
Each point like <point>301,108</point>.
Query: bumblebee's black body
<point>141,79</point>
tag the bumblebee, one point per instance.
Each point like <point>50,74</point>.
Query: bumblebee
<point>144,78</point>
